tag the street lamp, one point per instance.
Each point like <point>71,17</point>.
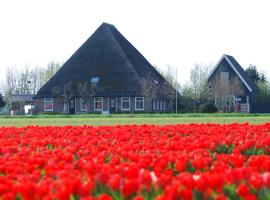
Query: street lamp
<point>28,82</point>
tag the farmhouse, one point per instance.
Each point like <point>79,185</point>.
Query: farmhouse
<point>233,90</point>
<point>106,74</point>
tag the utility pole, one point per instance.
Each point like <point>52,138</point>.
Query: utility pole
<point>176,91</point>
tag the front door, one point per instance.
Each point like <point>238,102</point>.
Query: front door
<point>72,106</point>
<point>112,105</point>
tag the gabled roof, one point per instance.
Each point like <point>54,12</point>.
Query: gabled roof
<point>108,55</point>
<point>241,73</point>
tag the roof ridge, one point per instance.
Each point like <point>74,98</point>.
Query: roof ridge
<point>141,57</point>
<point>118,43</point>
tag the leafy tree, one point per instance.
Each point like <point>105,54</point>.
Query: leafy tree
<point>2,102</point>
<point>208,108</point>
<point>255,75</point>
<point>264,92</point>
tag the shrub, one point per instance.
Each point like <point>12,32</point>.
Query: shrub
<point>209,108</point>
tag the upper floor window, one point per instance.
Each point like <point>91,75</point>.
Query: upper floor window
<point>94,80</point>
<point>224,78</point>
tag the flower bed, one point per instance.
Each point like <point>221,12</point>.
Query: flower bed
<point>207,161</point>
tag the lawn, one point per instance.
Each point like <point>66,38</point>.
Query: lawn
<point>96,120</point>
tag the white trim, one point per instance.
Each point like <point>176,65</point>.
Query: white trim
<point>108,104</point>
<point>232,66</point>
<point>95,104</point>
<point>81,107</point>
<point>122,104</point>
<point>216,66</point>
<point>164,105</point>
<point>44,105</point>
<point>116,102</point>
<point>136,103</point>
<point>75,104</point>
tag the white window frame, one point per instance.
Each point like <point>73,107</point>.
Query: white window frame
<point>136,99</point>
<point>81,105</point>
<point>95,100</point>
<point>122,103</point>
<point>47,100</point>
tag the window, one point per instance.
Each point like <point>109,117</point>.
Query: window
<point>224,78</point>
<point>112,103</point>
<point>159,105</point>
<point>48,104</point>
<point>164,105</point>
<point>125,103</point>
<point>83,105</point>
<point>98,103</point>
<point>139,103</point>
<point>94,80</point>
<point>154,105</point>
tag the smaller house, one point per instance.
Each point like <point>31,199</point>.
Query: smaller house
<point>231,86</point>
<point>17,102</point>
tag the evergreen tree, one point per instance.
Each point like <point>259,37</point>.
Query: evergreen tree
<point>2,102</point>
<point>255,75</point>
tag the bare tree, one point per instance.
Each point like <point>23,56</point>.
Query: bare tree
<point>198,79</point>
<point>12,77</point>
<point>149,86</point>
<point>87,91</point>
<point>28,80</point>
<point>50,70</point>
<point>64,94</point>
<point>224,93</point>
<point>170,74</point>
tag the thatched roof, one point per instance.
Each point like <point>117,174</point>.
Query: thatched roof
<point>108,55</point>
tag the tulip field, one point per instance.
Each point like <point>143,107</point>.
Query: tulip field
<point>136,162</point>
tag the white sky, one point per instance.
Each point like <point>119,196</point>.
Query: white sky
<point>178,33</point>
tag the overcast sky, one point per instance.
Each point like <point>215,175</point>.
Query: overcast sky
<point>178,33</point>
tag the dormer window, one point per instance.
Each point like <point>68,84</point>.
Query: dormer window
<point>94,80</point>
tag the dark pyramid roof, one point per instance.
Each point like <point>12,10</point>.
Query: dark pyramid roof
<point>242,74</point>
<point>107,54</point>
